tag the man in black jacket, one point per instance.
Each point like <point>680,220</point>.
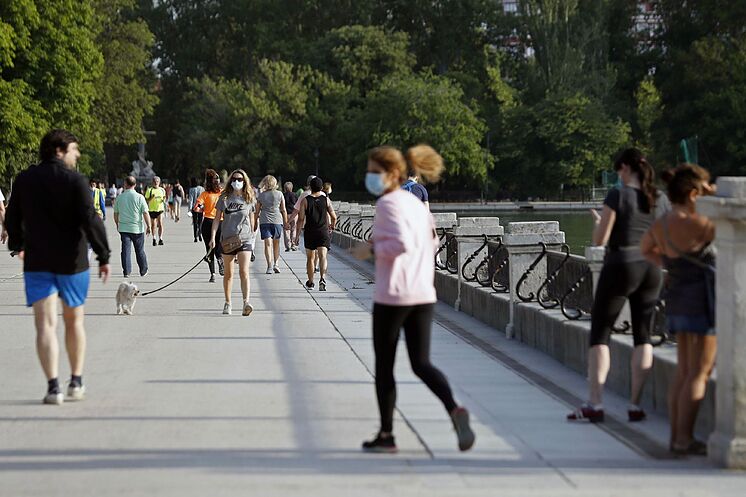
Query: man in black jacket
<point>50,221</point>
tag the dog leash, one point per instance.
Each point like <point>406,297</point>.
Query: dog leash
<point>204,259</point>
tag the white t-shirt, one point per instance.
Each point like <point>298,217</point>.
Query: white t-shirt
<point>2,197</point>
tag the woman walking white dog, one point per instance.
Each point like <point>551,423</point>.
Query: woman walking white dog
<point>237,205</point>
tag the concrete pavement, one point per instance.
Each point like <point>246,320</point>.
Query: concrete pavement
<point>184,401</point>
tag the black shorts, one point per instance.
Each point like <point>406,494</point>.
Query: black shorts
<point>245,247</point>
<point>155,215</point>
<point>315,239</point>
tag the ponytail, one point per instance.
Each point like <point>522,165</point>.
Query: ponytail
<point>425,162</point>
<point>420,160</point>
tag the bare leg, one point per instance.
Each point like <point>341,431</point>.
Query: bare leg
<point>268,251</point>
<point>598,369</point>
<point>310,256</point>
<point>674,391</point>
<point>227,276</point>
<point>160,227</point>
<point>244,262</point>
<point>276,247</point>
<point>322,261</point>
<point>75,339</point>
<point>641,364</point>
<point>47,347</point>
<point>701,359</point>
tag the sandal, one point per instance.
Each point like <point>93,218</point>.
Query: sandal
<point>587,413</point>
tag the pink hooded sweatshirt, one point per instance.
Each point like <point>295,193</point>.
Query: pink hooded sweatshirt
<point>404,242</point>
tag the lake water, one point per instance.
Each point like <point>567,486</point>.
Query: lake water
<point>577,225</point>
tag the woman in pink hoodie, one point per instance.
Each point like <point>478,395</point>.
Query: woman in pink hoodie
<point>404,244</point>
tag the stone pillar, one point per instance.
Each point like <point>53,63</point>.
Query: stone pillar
<point>470,236</point>
<point>595,257</point>
<point>727,444</point>
<point>522,242</point>
<point>444,221</point>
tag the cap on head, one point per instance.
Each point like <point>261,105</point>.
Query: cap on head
<point>308,180</point>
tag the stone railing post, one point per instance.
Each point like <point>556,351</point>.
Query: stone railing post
<point>522,242</point>
<point>727,444</point>
<point>595,257</point>
<point>469,235</point>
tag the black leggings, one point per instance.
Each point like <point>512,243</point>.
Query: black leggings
<point>206,235</point>
<point>416,320</point>
<point>197,224</point>
<point>640,282</point>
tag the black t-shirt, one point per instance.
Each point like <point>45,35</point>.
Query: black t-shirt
<point>633,218</point>
<point>290,199</point>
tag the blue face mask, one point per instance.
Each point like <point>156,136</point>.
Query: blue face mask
<point>374,184</point>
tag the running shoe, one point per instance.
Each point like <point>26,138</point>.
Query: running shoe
<point>587,412</point>
<point>212,278</point>
<point>253,257</point>
<point>466,437</point>
<point>276,269</point>
<point>695,448</point>
<point>221,268</point>
<point>126,276</point>
<point>309,284</point>
<point>154,242</point>
<point>54,398</point>
<point>160,242</point>
<point>269,270</point>
<point>322,285</point>
<point>227,309</point>
<point>247,309</point>
<point>382,445</point>
<point>195,239</point>
<point>287,250</point>
<point>144,274</point>
<point>76,391</point>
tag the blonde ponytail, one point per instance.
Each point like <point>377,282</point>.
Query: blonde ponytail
<point>425,163</point>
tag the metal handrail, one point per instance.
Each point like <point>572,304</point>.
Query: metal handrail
<point>552,302</point>
<point>525,275</point>
<point>471,257</point>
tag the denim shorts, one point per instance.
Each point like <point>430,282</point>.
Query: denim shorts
<point>72,288</point>
<point>273,231</point>
<point>698,324</point>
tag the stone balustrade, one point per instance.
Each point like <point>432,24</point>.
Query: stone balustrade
<point>517,293</point>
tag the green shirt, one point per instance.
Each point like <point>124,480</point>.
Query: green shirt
<point>130,207</point>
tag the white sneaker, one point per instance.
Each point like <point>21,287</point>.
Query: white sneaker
<point>247,309</point>
<point>276,269</point>
<point>76,392</point>
<point>54,399</point>
<point>269,270</point>
<point>227,308</point>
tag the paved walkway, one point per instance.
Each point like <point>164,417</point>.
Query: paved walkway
<point>184,401</point>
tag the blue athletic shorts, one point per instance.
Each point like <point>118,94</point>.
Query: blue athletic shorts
<point>273,231</point>
<point>698,324</point>
<point>72,288</point>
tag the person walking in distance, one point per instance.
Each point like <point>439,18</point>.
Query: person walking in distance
<point>58,269</point>
<point>178,199</point>
<point>404,297</point>
<point>627,214</point>
<point>195,190</point>
<point>99,200</point>
<point>236,205</point>
<point>314,217</point>
<point>289,233</point>
<point>681,241</point>
<point>133,223</point>
<point>413,186</point>
<point>273,218</point>
<point>206,203</point>
<point>156,197</point>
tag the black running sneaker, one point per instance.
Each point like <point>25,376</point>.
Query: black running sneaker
<point>221,269</point>
<point>384,445</point>
<point>460,418</point>
<point>253,257</point>
<point>154,242</point>
<point>322,286</point>
<point>309,284</point>
<point>160,242</point>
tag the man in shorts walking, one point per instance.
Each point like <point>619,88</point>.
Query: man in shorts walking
<point>69,219</point>
<point>156,197</point>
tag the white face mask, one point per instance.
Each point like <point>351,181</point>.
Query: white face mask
<point>237,185</point>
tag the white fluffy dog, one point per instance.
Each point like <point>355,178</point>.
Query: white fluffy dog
<point>126,297</point>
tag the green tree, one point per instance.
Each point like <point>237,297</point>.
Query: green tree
<point>426,108</point>
<point>50,65</point>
